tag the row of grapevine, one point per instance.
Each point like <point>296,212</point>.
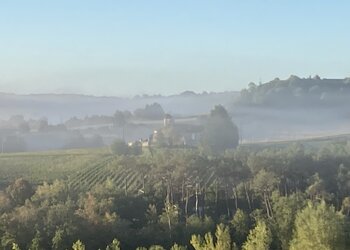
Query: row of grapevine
<point>98,172</point>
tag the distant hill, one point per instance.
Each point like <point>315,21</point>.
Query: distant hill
<point>294,108</point>
<point>58,108</point>
<point>290,109</point>
<point>297,92</point>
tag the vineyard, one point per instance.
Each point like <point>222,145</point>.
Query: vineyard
<point>106,168</point>
<point>83,169</point>
<point>46,166</point>
<point>130,176</point>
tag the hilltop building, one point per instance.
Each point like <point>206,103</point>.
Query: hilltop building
<point>176,134</point>
<point>185,133</point>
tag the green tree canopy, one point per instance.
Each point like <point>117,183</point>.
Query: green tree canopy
<point>318,226</point>
<point>115,245</point>
<point>259,238</point>
<point>223,240</point>
<point>78,245</point>
<point>240,223</point>
<point>219,133</point>
<point>119,147</point>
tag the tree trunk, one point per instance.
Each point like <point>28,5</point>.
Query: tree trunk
<point>168,193</point>
<point>204,199</point>
<point>171,191</point>
<point>186,205</point>
<point>285,188</point>
<point>235,196</point>
<point>270,207</point>
<point>247,196</point>
<point>183,190</point>
<point>169,219</point>
<point>226,200</point>
<point>143,182</point>
<point>266,206</point>
<point>197,199</point>
<point>216,195</point>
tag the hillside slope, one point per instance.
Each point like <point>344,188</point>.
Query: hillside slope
<point>59,108</point>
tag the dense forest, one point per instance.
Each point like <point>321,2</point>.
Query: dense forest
<point>254,197</point>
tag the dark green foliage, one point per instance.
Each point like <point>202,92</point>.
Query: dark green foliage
<point>119,147</point>
<point>220,133</point>
<point>241,225</point>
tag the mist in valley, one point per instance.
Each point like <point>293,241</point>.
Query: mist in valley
<point>291,109</point>
<point>174,125</point>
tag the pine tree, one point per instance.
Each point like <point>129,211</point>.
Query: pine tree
<point>285,209</point>
<point>320,227</point>
<point>15,246</point>
<point>115,245</point>
<point>7,240</point>
<point>78,245</point>
<point>259,238</point>
<point>223,240</point>
<point>35,245</point>
<point>240,223</point>
<point>57,239</point>
<point>178,247</point>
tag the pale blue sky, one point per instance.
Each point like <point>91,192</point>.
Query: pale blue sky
<point>135,47</point>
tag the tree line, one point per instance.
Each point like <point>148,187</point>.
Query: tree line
<point>253,198</point>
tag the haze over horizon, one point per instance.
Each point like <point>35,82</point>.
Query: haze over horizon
<point>155,47</point>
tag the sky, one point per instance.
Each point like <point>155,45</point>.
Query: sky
<point>126,48</point>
